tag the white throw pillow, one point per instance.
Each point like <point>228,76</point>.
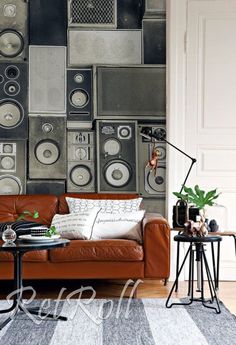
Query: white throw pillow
<point>123,225</point>
<point>76,226</point>
<point>107,206</point>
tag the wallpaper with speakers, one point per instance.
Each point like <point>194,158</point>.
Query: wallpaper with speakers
<point>80,80</point>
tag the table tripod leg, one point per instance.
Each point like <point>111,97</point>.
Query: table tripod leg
<point>176,281</point>
<point>218,311</point>
<point>177,268</point>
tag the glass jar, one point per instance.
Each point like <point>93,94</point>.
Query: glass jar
<point>9,235</point>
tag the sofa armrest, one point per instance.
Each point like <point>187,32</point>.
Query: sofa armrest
<point>156,242</point>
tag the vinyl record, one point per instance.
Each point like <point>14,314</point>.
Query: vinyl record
<point>11,114</point>
<point>81,175</point>
<point>117,173</point>
<point>47,152</point>
<point>10,185</point>
<point>11,43</point>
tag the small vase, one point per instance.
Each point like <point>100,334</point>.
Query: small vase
<point>9,235</point>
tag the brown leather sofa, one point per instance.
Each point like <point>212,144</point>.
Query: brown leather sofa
<point>103,259</point>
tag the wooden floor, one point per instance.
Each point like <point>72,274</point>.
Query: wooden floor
<point>111,288</point>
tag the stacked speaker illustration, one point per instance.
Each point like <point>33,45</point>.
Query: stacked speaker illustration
<point>81,161</point>
<point>80,80</point>
<point>117,156</point>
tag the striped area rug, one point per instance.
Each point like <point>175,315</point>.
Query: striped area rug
<point>131,322</point>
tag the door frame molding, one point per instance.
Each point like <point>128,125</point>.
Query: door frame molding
<point>176,98</point>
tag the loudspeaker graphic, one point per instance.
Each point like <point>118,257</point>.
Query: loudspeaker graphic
<point>13,30</point>
<point>47,147</point>
<point>92,13</point>
<point>13,100</point>
<point>79,95</point>
<point>48,22</point>
<point>154,41</point>
<point>117,156</point>
<point>81,164</point>
<point>131,91</point>
<point>54,187</point>
<point>89,47</point>
<point>47,79</point>
<point>150,184</point>
<point>130,14</point>
<point>12,167</point>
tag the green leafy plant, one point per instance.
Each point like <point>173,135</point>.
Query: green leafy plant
<point>25,213</point>
<point>198,197</point>
<point>50,232</point>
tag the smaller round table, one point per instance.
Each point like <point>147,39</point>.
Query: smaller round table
<point>197,250</point>
<point>18,249</point>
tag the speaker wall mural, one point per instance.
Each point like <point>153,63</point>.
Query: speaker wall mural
<point>89,97</point>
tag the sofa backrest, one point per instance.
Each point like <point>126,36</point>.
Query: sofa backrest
<point>11,206</point>
<point>63,207</point>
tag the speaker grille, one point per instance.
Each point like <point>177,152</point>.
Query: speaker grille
<point>93,13</point>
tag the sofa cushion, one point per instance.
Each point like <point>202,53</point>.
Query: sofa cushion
<point>107,206</point>
<point>63,207</point>
<point>34,256</point>
<point>76,226</point>
<point>103,250</point>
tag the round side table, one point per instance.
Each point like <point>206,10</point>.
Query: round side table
<point>18,249</point>
<point>196,251</point>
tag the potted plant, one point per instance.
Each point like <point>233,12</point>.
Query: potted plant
<point>198,198</point>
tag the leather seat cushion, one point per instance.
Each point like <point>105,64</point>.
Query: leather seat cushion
<point>33,256</point>
<point>102,250</point>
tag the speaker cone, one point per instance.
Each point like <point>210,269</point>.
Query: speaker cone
<point>11,43</point>
<point>10,185</point>
<point>81,175</point>
<point>12,88</point>
<point>7,163</point>
<point>157,183</point>
<point>10,114</point>
<point>79,98</point>
<point>47,152</point>
<point>117,173</point>
<point>112,147</point>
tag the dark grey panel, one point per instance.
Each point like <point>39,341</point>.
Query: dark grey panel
<point>131,91</point>
<point>13,30</point>
<point>48,22</point>
<point>117,156</point>
<point>47,147</point>
<point>154,41</point>
<point>13,100</point>
<point>12,167</point>
<point>130,14</point>
<point>45,187</point>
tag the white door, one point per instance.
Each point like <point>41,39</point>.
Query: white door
<point>210,107</point>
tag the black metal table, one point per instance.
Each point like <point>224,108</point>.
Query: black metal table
<point>196,249</point>
<point>18,249</point>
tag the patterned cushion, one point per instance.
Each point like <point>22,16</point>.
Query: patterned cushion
<point>106,206</point>
<point>21,227</point>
